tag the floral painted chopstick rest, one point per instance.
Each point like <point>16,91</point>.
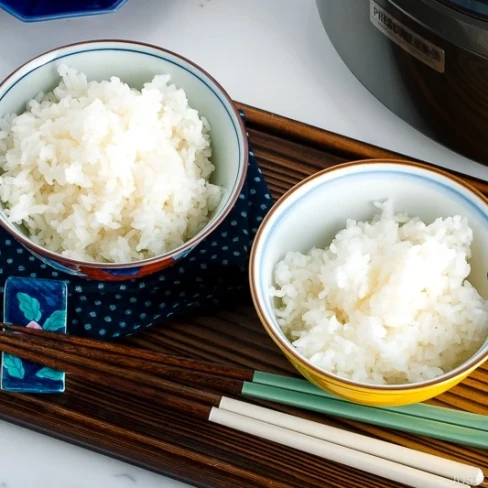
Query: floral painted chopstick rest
<point>39,304</point>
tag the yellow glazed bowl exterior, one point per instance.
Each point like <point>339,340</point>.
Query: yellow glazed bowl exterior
<point>372,396</point>
<point>265,255</point>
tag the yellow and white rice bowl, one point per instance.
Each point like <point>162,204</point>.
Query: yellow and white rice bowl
<point>371,277</point>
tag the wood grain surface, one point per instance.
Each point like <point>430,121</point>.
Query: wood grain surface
<point>124,426</point>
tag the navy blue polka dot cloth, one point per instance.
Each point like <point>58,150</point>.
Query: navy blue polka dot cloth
<point>214,273</point>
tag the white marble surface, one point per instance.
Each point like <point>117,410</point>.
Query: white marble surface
<point>273,54</point>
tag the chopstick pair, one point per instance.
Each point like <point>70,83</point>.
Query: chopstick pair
<point>420,410</point>
<point>129,369</point>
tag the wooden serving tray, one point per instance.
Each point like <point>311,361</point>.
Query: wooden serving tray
<point>205,454</point>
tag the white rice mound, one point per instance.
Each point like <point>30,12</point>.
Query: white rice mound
<point>101,172</point>
<point>387,302</point>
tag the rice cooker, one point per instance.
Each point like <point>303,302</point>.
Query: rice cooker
<point>426,60</point>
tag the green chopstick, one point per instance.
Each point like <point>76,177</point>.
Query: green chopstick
<point>419,410</point>
<point>371,415</point>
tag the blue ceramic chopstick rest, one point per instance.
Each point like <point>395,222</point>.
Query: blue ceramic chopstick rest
<point>38,304</point>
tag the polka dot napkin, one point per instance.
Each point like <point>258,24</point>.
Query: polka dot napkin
<point>214,273</point>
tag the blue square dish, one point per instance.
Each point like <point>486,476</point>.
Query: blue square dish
<point>38,10</point>
<point>38,304</point>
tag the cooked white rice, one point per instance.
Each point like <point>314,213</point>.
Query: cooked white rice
<point>101,172</point>
<point>387,302</point>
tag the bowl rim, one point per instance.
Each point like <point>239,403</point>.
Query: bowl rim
<point>52,54</point>
<point>478,357</point>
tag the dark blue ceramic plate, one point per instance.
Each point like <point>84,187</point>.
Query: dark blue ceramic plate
<point>37,10</point>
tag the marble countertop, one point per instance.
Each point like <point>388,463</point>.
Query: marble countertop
<point>273,54</point>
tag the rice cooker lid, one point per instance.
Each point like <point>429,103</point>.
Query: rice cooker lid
<point>475,8</point>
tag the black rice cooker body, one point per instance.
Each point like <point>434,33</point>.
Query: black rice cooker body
<point>426,60</point>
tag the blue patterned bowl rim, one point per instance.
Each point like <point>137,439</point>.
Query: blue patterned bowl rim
<point>212,84</point>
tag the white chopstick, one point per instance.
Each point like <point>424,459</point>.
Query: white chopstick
<point>377,457</point>
<point>387,450</point>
